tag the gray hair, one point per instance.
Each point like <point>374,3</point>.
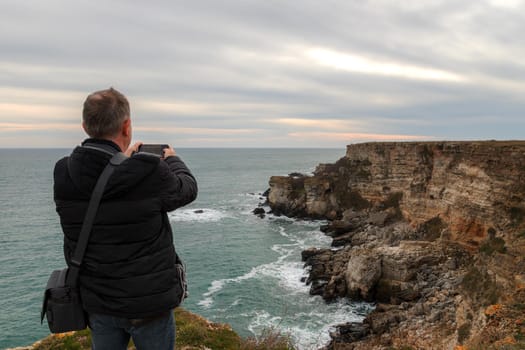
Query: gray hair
<point>104,112</point>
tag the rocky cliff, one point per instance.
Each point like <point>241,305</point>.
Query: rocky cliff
<point>433,232</point>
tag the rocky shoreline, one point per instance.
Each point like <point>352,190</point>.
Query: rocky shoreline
<point>433,233</point>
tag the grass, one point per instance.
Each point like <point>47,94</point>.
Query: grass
<point>193,333</point>
<point>67,341</point>
<point>270,339</point>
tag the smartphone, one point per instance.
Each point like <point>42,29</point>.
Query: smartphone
<point>157,149</point>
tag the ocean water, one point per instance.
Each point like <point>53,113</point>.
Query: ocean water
<point>242,270</point>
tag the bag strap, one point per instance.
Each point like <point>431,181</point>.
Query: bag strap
<point>94,201</point>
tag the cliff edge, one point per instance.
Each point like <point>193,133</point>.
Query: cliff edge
<point>193,333</point>
<point>433,232</point>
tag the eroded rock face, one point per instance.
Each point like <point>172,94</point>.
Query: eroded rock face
<point>287,195</point>
<point>362,273</point>
<point>432,232</point>
<point>471,186</point>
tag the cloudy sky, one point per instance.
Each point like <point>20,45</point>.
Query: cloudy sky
<point>265,73</point>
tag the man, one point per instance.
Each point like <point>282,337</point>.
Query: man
<point>129,281</point>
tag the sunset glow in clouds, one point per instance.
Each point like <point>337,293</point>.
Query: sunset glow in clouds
<point>265,74</point>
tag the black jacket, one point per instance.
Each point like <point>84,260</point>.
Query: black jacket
<point>128,269</point>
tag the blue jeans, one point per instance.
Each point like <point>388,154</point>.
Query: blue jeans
<point>113,333</point>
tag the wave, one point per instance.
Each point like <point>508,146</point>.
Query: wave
<point>307,319</point>
<point>198,214</point>
<point>214,288</point>
<point>287,305</point>
<point>218,285</point>
<point>287,273</point>
<point>309,330</point>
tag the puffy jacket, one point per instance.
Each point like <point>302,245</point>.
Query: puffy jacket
<point>129,265</point>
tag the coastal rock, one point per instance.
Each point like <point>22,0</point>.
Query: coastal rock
<point>471,186</point>
<point>434,232</point>
<point>349,333</point>
<point>326,274</point>
<point>403,262</point>
<point>287,196</point>
<point>260,212</point>
<point>362,273</point>
<point>339,227</point>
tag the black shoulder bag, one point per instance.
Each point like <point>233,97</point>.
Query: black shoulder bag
<point>62,305</point>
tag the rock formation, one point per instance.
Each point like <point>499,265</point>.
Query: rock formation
<point>433,232</point>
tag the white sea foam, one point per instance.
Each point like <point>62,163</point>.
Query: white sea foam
<point>282,232</point>
<point>218,285</point>
<point>287,273</point>
<point>206,302</point>
<point>313,238</point>
<point>249,201</point>
<point>198,214</point>
<point>302,222</point>
<point>290,277</point>
<point>308,329</point>
<point>214,288</point>
<point>284,249</point>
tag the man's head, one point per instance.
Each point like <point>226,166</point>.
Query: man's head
<point>106,115</point>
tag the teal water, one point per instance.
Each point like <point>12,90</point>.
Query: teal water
<point>242,270</point>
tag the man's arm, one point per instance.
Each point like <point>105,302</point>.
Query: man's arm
<point>179,185</point>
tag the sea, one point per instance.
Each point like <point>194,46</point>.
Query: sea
<point>242,269</point>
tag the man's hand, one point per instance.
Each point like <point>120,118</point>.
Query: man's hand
<point>168,152</point>
<point>133,149</point>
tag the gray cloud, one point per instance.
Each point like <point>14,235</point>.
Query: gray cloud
<point>207,68</point>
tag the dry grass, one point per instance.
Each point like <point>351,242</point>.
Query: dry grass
<point>193,333</point>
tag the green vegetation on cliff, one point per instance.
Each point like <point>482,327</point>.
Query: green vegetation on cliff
<point>193,333</point>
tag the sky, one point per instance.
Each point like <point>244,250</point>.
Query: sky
<point>265,73</point>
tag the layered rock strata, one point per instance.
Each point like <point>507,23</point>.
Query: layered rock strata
<point>433,232</point>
